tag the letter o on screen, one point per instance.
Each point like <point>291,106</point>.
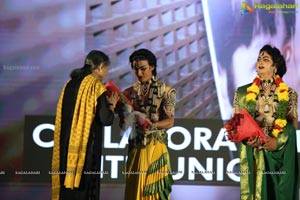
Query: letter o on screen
<point>186,134</point>
<point>36,135</point>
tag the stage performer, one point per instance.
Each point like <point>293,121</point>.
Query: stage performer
<point>148,170</point>
<point>269,170</point>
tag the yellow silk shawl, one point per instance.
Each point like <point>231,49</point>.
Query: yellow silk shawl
<point>85,108</point>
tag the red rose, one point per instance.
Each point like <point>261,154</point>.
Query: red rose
<point>256,81</point>
<point>242,127</point>
<point>278,127</point>
<point>228,126</point>
<point>278,80</point>
<point>282,90</point>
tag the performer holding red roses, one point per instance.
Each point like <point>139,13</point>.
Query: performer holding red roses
<point>148,166</point>
<point>272,166</point>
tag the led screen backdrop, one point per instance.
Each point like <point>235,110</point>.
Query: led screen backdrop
<point>236,35</point>
<point>200,154</point>
<point>205,50</point>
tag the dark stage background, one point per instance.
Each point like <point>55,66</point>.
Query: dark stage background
<point>205,50</point>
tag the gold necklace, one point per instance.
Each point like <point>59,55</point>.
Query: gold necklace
<point>267,95</point>
<point>145,88</point>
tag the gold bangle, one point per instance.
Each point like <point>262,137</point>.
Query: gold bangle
<point>111,104</point>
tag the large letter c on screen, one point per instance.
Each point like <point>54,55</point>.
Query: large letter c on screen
<point>37,132</point>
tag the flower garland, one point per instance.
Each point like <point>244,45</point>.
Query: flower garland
<point>282,108</point>
<point>128,110</point>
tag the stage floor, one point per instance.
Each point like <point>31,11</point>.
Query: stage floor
<point>16,191</point>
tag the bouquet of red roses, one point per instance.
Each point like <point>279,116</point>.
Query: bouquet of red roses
<point>130,115</point>
<point>243,127</point>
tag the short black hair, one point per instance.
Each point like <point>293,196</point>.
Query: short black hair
<point>144,54</point>
<point>277,58</point>
<point>93,60</point>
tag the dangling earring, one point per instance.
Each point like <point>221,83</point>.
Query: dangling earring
<point>275,70</point>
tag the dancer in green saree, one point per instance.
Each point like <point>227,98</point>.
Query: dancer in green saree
<point>272,166</point>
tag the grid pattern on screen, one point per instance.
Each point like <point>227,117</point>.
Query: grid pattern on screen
<point>172,29</point>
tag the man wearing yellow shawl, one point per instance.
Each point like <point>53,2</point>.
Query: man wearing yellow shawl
<point>148,171</point>
<point>82,111</point>
<point>269,170</point>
